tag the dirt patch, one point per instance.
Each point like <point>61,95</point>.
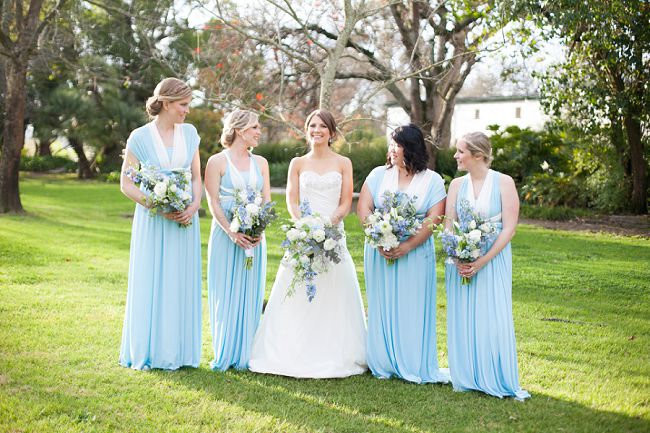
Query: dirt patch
<point>624,225</point>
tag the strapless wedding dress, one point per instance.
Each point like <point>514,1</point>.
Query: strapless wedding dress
<point>325,337</point>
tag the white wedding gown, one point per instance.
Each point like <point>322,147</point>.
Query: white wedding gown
<point>327,336</point>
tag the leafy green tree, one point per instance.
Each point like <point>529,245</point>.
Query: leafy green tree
<point>603,85</point>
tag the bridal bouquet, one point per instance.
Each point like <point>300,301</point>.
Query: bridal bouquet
<point>393,221</point>
<point>311,246</point>
<point>167,190</point>
<point>251,217</point>
<point>469,237</point>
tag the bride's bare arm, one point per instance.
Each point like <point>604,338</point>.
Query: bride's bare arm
<point>346,193</point>
<point>293,189</point>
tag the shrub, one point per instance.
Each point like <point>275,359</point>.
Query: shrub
<point>47,163</point>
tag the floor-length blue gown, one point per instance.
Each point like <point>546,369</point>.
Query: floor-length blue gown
<point>480,330</point>
<point>162,322</point>
<point>402,300</point>
<point>235,294</point>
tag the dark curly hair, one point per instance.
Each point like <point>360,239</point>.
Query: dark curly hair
<point>411,140</point>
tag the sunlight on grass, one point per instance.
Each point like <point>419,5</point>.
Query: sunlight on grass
<point>581,305</point>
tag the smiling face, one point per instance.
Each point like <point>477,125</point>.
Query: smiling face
<point>251,135</point>
<point>318,133</point>
<point>178,110</point>
<point>396,154</point>
<point>464,158</point>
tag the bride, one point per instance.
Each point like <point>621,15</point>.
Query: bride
<point>325,337</point>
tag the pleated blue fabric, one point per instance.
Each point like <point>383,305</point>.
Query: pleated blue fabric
<point>402,302</point>
<point>480,330</point>
<point>235,294</point>
<point>162,322</point>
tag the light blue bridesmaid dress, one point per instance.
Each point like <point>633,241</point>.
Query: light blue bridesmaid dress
<point>235,294</point>
<point>402,298</point>
<point>162,323</point>
<point>480,329</point>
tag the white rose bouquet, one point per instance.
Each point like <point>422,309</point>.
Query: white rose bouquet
<point>392,222</point>
<point>251,217</point>
<point>469,237</point>
<point>167,190</point>
<point>312,245</point>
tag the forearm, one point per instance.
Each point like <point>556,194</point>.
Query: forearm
<point>340,212</point>
<point>197,192</point>
<point>219,215</point>
<point>499,244</point>
<point>419,237</point>
<point>130,190</point>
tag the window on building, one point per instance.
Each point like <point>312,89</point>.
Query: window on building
<point>477,113</point>
<point>518,112</point>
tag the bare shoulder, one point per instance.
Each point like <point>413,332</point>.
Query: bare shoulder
<point>506,181</point>
<point>216,160</point>
<point>296,163</point>
<point>343,161</point>
<point>261,160</point>
<point>455,184</point>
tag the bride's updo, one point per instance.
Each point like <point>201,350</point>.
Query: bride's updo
<point>169,89</point>
<point>328,120</point>
<point>236,120</point>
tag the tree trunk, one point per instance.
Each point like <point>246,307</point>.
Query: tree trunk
<point>44,148</point>
<point>639,203</point>
<point>13,135</point>
<point>84,171</point>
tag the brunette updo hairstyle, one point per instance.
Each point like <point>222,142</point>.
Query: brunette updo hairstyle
<point>236,120</point>
<point>328,120</point>
<point>169,89</point>
<point>478,144</point>
<point>411,140</point>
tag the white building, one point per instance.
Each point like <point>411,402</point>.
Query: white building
<point>476,114</point>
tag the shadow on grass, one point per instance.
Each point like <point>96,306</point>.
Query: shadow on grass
<point>365,404</point>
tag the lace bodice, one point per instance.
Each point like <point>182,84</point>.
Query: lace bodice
<point>323,191</point>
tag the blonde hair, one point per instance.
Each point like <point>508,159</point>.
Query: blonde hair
<point>238,119</point>
<point>169,89</point>
<point>478,144</point>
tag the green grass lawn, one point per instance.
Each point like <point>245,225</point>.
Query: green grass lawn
<point>581,310</point>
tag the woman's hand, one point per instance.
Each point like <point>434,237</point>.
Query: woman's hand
<point>470,269</point>
<point>244,241</point>
<point>395,253</point>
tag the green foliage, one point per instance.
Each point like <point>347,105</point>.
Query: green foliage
<point>47,163</point>
<point>283,151</point>
<point>446,164</point>
<point>580,304</point>
<point>553,213</point>
<point>208,123</point>
<point>365,156</point>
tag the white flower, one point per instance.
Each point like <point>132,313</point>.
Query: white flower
<point>372,219</point>
<point>368,231</point>
<point>472,225</point>
<point>329,245</point>
<point>160,189</point>
<point>304,260</point>
<point>242,196</point>
<point>302,234</point>
<point>252,209</point>
<point>545,165</point>
<point>474,236</point>
<point>293,234</point>
<point>293,263</point>
<point>485,228</point>
<point>258,200</point>
<point>476,253</point>
<point>234,225</point>
<point>319,235</point>
<point>173,187</point>
<point>385,227</point>
<point>188,176</point>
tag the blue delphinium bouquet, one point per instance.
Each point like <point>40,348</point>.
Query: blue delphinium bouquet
<point>469,237</point>
<point>392,222</point>
<point>312,245</point>
<point>251,217</point>
<point>167,190</point>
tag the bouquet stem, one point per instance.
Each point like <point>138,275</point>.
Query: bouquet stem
<point>249,259</point>
<point>390,261</point>
<point>465,280</point>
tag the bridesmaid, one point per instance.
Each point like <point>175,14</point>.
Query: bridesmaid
<point>402,296</point>
<point>162,324</point>
<point>480,330</point>
<point>235,294</point>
